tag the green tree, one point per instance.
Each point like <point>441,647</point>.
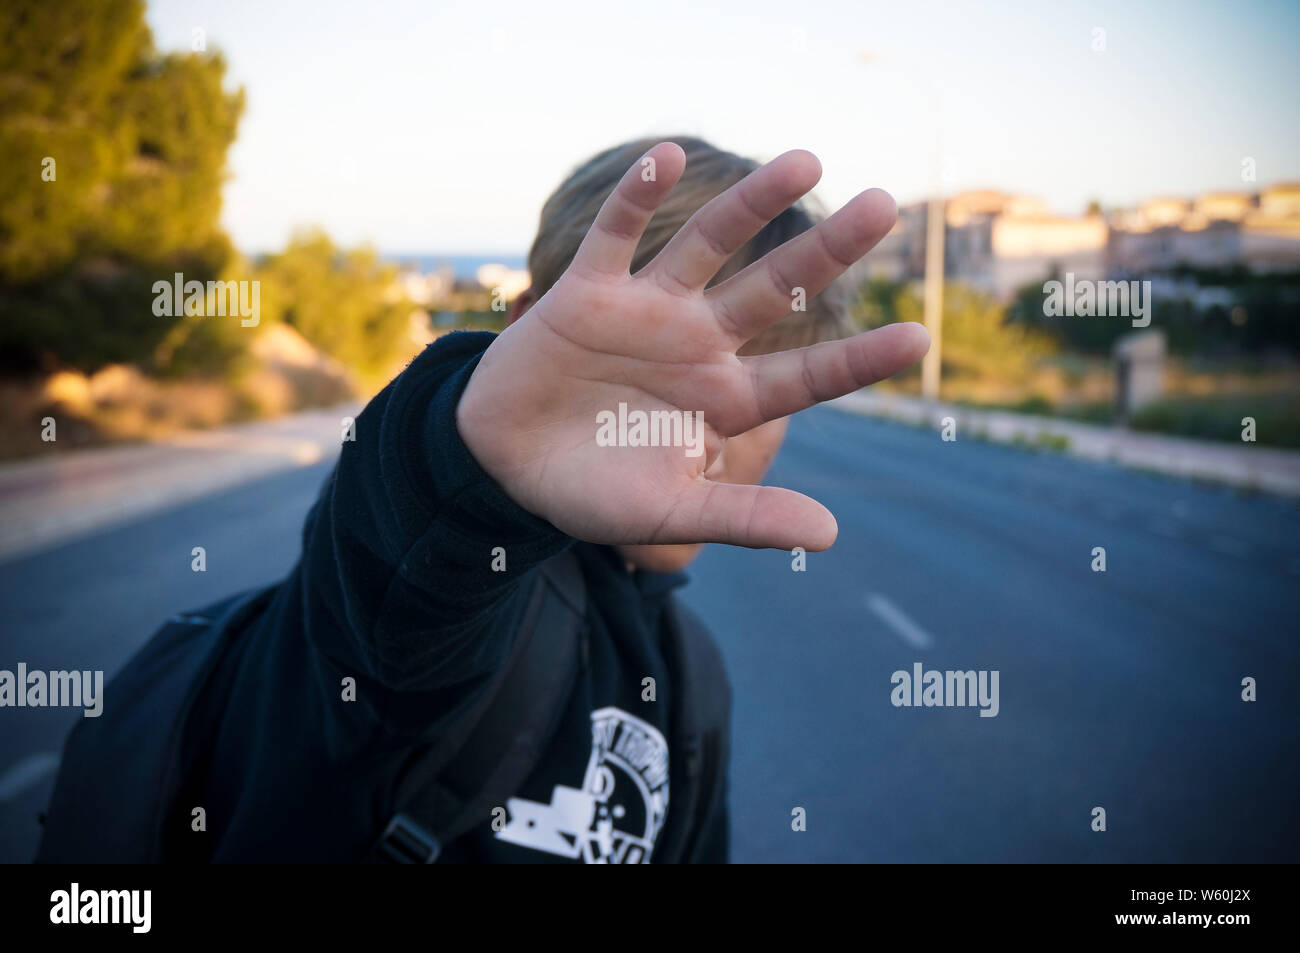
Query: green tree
<point>978,341</point>
<point>138,144</point>
<point>342,302</point>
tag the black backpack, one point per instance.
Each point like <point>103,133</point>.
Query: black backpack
<point>122,774</point>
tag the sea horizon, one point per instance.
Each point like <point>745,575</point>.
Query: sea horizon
<point>464,265</point>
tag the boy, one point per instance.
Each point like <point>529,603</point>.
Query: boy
<point>478,656</point>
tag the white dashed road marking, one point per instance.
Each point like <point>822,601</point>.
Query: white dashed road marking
<point>894,617</point>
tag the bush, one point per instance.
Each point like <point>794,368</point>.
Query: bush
<point>340,301</point>
<point>1277,419</point>
<point>978,342</point>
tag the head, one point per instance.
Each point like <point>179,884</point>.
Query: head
<point>568,215</point>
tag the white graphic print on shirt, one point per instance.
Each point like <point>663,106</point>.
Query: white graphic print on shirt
<point>618,812</point>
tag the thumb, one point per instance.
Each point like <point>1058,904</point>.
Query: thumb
<point>755,516</point>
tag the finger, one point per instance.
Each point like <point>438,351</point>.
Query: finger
<point>610,245</point>
<point>763,293</point>
<point>754,516</point>
<point>718,230</point>
<point>789,381</point>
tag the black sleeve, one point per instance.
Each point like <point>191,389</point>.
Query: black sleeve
<point>397,568</point>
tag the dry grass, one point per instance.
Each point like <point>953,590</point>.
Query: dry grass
<point>120,404</point>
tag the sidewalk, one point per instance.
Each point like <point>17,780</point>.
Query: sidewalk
<point>1247,465</point>
<point>47,500</point>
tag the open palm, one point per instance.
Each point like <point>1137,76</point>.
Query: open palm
<point>658,341</point>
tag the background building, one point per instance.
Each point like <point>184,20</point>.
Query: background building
<point>999,242</point>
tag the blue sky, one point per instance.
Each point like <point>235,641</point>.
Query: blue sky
<point>443,126</point>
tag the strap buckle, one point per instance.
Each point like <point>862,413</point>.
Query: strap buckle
<point>406,842</point>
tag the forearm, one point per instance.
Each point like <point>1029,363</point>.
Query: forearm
<point>413,551</point>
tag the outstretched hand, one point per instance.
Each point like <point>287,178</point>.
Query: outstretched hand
<point>658,341</point>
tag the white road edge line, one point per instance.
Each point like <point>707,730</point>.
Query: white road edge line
<point>896,619</point>
<point>27,772</point>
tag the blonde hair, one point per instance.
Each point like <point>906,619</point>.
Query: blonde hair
<point>571,209</point>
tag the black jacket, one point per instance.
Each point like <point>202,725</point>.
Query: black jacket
<point>406,600</point>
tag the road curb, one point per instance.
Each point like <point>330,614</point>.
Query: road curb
<point>1248,467</point>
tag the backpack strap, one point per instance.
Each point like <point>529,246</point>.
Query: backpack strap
<point>701,740</point>
<point>481,761</point>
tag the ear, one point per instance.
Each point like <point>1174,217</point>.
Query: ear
<point>525,300</point>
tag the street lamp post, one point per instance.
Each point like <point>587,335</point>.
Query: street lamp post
<point>934,238</point>
<point>935,231</point>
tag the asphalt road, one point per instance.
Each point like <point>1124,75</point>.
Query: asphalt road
<point>1119,690</point>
